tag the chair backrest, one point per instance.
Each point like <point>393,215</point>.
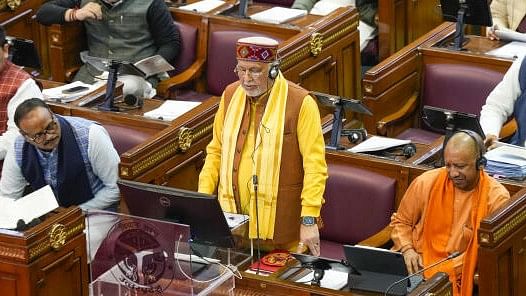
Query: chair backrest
<point>458,87</point>
<point>125,138</point>
<point>221,58</point>
<point>358,203</point>
<point>187,54</point>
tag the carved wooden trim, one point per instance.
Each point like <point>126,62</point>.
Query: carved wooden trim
<point>46,244</point>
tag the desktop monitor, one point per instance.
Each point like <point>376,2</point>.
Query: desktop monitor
<point>202,212</point>
<point>448,121</point>
<point>472,12</point>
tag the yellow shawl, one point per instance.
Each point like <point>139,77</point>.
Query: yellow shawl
<point>267,157</point>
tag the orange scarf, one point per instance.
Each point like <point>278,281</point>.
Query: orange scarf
<point>438,222</point>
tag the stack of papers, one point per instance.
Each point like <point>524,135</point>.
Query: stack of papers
<point>507,161</point>
<point>170,110</point>
<point>203,6</point>
<point>324,7</point>
<point>60,93</point>
<point>278,15</point>
<point>377,143</point>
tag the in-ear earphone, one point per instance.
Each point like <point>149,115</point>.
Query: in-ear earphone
<point>273,71</point>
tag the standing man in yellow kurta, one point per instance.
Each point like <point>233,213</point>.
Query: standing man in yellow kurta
<point>441,211</point>
<point>267,155</point>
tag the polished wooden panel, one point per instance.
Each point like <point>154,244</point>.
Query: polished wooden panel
<point>401,22</point>
<point>502,251</point>
<point>29,265</point>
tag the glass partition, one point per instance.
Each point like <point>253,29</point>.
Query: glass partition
<point>138,256</point>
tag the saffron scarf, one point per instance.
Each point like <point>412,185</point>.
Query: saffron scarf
<point>267,157</point>
<point>438,222</point>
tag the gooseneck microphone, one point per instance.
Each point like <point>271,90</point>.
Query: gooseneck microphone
<point>451,256</point>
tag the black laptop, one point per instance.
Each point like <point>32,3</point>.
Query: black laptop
<point>377,270</point>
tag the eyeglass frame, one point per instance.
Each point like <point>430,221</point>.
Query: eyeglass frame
<point>49,129</point>
<point>249,71</point>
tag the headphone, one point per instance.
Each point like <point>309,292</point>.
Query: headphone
<point>407,151</point>
<point>133,100</point>
<point>273,71</point>
<point>481,148</point>
<point>355,135</point>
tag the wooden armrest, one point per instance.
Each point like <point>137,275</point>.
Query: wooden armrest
<point>405,112</point>
<point>188,75</point>
<point>378,239</point>
<point>508,129</point>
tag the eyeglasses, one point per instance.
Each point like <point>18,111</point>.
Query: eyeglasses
<point>252,72</point>
<point>39,137</point>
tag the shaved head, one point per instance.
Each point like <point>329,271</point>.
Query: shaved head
<point>460,156</point>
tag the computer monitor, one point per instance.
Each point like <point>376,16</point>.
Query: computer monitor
<point>448,121</point>
<point>202,212</point>
<point>22,52</point>
<point>472,12</point>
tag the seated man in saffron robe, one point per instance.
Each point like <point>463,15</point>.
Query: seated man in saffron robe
<point>267,155</point>
<point>441,211</point>
<point>73,155</point>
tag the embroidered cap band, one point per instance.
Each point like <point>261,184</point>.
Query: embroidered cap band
<point>257,49</point>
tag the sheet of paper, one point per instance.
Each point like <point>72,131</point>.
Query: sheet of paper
<point>203,6</point>
<point>29,207</point>
<point>511,50</point>
<point>56,93</point>
<point>278,15</point>
<point>332,279</point>
<point>171,109</point>
<point>377,143</point>
<point>233,220</point>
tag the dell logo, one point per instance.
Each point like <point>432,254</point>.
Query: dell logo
<point>164,201</point>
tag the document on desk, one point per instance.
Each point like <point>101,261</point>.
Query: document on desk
<point>171,109</point>
<point>278,15</point>
<point>27,208</point>
<point>507,161</point>
<point>333,279</point>
<point>203,6</point>
<point>377,143</point>
<point>63,95</point>
<point>512,50</point>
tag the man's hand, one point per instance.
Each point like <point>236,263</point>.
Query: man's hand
<point>490,32</point>
<point>89,11</point>
<point>413,260</point>
<point>310,237</point>
<point>490,142</point>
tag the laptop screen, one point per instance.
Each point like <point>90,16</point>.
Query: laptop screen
<point>378,260</point>
<point>202,212</point>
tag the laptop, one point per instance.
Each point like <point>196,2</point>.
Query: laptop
<point>377,270</point>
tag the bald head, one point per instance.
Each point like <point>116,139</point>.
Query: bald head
<point>460,156</point>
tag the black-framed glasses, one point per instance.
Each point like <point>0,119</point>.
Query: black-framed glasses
<point>252,72</point>
<point>38,138</point>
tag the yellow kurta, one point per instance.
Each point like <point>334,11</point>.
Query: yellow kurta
<point>311,144</point>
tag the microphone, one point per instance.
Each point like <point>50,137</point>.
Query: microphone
<point>451,256</point>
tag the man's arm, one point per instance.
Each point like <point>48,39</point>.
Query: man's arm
<point>53,12</point>
<point>209,176</point>
<point>27,90</point>
<point>304,4</point>
<point>403,224</point>
<point>104,161</point>
<point>312,149</point>
<point>12,183</point>
<point>165,33</point>
<point>500,102</point>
